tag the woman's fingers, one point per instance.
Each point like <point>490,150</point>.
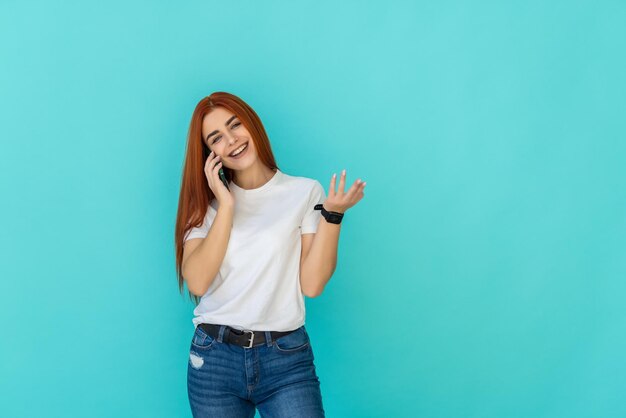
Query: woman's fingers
<point>354,193</point>
<point>354,189</point>
<point>342,181</point>
<point>211,169</point>
<point>216,168</point>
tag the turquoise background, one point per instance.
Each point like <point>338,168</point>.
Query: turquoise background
<point>482,275</point>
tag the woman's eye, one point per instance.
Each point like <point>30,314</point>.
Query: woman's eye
<point>235,125</point>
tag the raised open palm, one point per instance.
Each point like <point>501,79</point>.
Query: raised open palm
<point>340,200</point>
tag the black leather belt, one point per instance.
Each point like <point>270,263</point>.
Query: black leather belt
<point>247,339</point>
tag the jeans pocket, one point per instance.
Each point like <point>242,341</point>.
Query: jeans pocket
<point>296,341</point>
<point>202,340</point>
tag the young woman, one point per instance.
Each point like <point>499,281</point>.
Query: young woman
<point>250,251</point>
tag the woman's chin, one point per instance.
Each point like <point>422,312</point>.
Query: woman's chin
<point>245,160</point>
<point>240,165</point>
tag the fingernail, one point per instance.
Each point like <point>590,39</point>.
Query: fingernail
<point>343,172</point>
<point>364,183</point>
<point>334,175</point>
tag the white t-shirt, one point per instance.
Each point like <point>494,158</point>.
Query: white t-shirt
<point>258,284</point>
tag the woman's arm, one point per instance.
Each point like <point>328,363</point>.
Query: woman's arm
<point>319,250</point>
<point>319,258</point>
<point>202,259</point>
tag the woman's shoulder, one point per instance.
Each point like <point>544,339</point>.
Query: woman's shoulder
<point>299,181</point>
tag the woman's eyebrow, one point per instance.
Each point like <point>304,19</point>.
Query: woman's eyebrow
<point>216,131</point>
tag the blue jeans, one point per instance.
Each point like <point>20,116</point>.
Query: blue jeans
<point>229,381</point>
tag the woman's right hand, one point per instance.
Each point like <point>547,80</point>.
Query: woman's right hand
<point>211,170</point>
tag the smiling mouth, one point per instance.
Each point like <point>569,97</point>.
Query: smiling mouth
<point>241,152</point>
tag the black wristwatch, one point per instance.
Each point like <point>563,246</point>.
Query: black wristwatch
<point>331,217</point>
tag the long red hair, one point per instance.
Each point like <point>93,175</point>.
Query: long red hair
<point>195,193</point>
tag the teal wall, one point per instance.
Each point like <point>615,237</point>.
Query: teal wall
<point>482,275</point>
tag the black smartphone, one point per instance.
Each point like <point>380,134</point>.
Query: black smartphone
<point>220,172</point>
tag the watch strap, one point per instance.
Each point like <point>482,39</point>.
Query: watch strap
<point>330,216</point>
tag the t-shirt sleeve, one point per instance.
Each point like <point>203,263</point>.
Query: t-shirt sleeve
<point>202,230</point>
<point>312,216</point>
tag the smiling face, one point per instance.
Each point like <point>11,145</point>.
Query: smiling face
<point>223,133</point>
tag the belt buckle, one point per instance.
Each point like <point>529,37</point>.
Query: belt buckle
<point>251,339</point>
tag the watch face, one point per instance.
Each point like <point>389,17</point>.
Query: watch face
<point>334,218</point>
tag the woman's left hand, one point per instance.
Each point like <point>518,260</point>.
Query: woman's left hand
<point>340,201</point>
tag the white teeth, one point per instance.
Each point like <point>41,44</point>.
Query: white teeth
<point>238,150</point>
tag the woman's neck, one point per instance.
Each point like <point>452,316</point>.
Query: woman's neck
<point>253,177</point>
